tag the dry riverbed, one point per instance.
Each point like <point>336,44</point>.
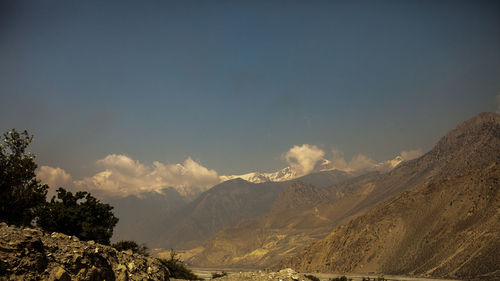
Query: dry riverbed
<point>289,275</point>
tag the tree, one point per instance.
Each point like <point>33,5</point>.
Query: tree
<point>131,245</point>
<point>21,194</point>
<point>81,215</point>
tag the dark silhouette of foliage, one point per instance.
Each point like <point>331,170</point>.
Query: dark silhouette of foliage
<point>20,193</point>
<point>312,277</point>
<point>125,245</point>
<point>177,269</point>
<point>341,278</point>
<point>217,275</point>
<point>81,215</point>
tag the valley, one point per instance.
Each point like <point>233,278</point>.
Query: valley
<point>436,216</point>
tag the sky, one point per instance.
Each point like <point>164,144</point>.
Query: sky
<point>187,91</point>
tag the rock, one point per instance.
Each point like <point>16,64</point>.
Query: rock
<point>122,276</point>
<point>30,254</point>
<point>131,266</point>
<point>59,274</point>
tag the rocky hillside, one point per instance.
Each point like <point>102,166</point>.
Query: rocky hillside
<point>447,227</point>
<point>474,144</point>
<point>450,228</point>
<point>30,254</point>
<point>303,213</point>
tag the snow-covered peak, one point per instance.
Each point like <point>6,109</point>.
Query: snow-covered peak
<point>256,177</point>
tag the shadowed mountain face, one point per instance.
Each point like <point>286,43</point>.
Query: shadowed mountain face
<point>448,227</point>
<point>303,213</point>
<point>226,204</point>
<point>140,217</point>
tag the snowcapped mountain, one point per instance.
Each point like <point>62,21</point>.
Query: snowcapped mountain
<point>257,177</point>
<point>287,173</point>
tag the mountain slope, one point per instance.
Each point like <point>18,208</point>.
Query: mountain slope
<point>226,204</point>
<point>447,227</point>
<point>302,214</point>
<point>144,212</point>
<point>471,145</point>
<point>450,228</point>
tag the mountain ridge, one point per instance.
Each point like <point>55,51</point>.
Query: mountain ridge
<point>225,204</point>
<point>446,227</point>
<point>399,237</point>
<point>291,222</point>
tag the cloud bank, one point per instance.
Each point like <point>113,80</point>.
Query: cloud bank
<point>121,175</point>
<point>55,178</point>
<point>307,158</point>
<point>362,163</point>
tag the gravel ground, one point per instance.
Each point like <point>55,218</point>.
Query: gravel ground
<point>290,275</point>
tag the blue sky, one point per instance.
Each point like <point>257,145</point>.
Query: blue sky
<point>235,84</point>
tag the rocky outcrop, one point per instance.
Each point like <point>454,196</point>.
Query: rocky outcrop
<point>30,254</point>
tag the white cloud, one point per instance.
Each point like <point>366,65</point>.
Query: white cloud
<point>411,154</point>
<point>304,159</point>
<point>361,162</point>
<point>54,178</point>
<point>122,176</point>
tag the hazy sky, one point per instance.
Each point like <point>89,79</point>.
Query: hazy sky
<point>234,85</point>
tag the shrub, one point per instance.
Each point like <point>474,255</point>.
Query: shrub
<point>341,278</point>
<point>177,269</point>
<point>81,215</point>
<point>21,194</point>
<point>312,277</point>
<point>125,245</point>
<point>217,275</point>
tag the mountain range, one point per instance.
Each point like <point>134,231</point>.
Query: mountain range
<point>436,215</point>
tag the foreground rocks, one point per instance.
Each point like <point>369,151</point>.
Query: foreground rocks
<point>287,274</point>
<point>30,254</point>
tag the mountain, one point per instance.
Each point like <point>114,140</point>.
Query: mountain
<point>441,218</point>
<point>449,228</point>
<point>140,215</point>
<point>256,177</point>
<point>226,204</point>
<point>471,145</point>
<point>301,214</point>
